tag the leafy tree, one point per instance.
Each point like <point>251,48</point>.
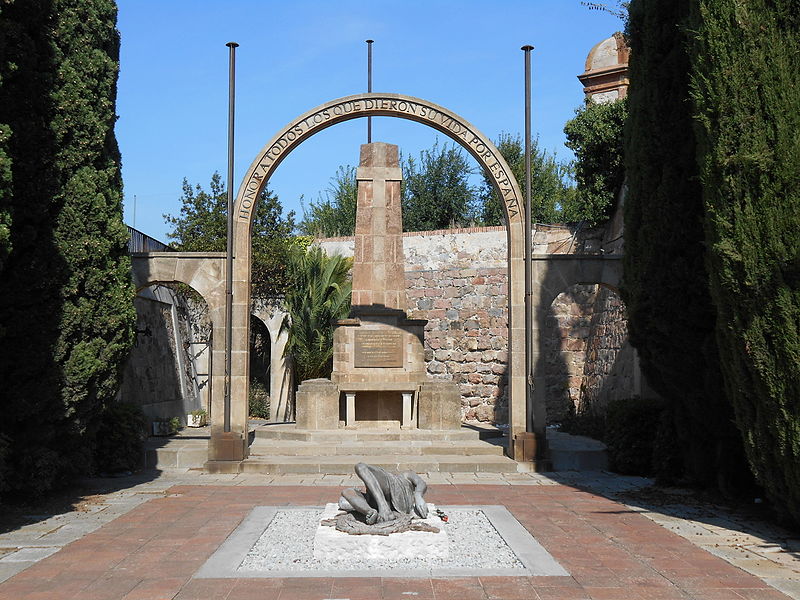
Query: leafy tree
<point>666,286</point>
<point>552,198</point>
<point>620,10</point>
<point>66,310</point>
<point>436,191</point>
<point>319,293</point>
<point>746,56</point>
<point>202,227</point>
<point>436,195</point>
<point>596,137</point>
<point>335,214</point>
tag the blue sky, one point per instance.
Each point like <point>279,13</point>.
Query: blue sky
<point>293,56</point>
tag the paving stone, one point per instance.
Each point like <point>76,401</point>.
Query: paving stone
<point>29,555</point>
<point>9,569</point>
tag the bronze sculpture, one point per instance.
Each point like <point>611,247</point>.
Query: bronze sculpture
<point>387,496</point>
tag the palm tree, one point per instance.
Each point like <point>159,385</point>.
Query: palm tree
<point>319,293</point>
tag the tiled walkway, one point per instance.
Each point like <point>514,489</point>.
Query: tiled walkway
<point>163,533</point>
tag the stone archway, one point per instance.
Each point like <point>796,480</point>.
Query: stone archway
<point>205,273</point>
<point>265,163</point>
<point>552,274</point>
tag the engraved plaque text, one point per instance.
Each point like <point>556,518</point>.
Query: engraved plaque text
<point>378,349</point>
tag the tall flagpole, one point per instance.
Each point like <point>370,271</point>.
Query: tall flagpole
<point>229,248</point>
<point>369,87</point>
<point>529,426</point>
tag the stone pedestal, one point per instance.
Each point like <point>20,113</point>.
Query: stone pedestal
<point>317,404</point>
<point>439,405</point>
<point>331,544</point>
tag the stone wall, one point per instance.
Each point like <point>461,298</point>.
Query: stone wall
<point>589,359</point>
<point>457,280</point>
<point>611,368</point>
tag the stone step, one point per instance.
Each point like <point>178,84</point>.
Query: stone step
<point>290,432</point>
<point>374,448</point>
<point>343,465</point>
<point>175,453</point>
<point>575,452</point>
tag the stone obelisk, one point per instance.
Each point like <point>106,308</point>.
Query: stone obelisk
<point>378,264</point>
<point>378,353</point>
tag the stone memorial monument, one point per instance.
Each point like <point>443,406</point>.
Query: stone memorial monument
<point>389,520</point>
<point>379,378</point>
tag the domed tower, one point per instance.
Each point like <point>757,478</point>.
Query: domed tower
<point>606,75</point>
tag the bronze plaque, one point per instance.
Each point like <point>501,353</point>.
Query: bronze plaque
<point>375,348</point>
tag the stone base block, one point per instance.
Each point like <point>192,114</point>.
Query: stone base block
<point>317,404</point>
<point>331,544</point>
<point>228,445</point>
<point>439,405</point>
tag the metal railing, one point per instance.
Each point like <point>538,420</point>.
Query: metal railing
<point>141,242</point>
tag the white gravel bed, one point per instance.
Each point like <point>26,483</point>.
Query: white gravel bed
<point>287,544</point>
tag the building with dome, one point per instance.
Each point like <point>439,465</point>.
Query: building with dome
<point>606,75</point>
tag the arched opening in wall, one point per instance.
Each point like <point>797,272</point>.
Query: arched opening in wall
<point>168,373</point>
<point>588,358</point>
<point>260,355</point>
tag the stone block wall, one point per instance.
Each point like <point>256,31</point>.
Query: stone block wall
<point>466,337</point>
<point>457,279</point>
<point>167,371</point>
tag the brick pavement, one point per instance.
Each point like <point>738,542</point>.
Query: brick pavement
<point>610,550</point>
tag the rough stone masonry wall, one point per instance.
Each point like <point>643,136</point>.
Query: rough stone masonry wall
<point>457,280</point>
<point>460,284</point>
<point>610,368</point>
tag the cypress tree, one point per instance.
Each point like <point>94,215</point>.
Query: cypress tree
<point>665,287</point>
<point>5,193</point>
<point>6,66</point>
<point>66,308</point>
<point>747,58</point>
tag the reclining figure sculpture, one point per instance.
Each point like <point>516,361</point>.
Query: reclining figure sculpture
<point>388,495</point>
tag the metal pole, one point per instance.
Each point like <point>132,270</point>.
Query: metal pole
<point>369,87</point>
<point>229,248</point>
<point>529,425</point>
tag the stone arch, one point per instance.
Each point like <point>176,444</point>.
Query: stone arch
<point>202,271</point>
<point>553,274</point>
<point>345,109</point>
<point>205,273</point>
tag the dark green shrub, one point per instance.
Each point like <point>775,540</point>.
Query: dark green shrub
<point>258,400</point>
<point>667,464</point>
<point>631,426</point>
<point>4,448</point>
<point>119,445</point>
<point>589,422</point>
<point>66,309</point>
